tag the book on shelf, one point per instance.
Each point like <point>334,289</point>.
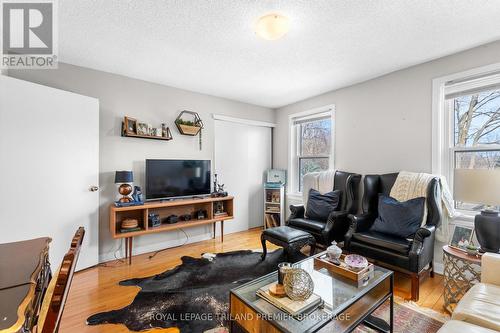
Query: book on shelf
<point>219,214</point>
<point>123,230</point>
<point>293,308</point>
<point>269,222</point>
<point>272,220</point>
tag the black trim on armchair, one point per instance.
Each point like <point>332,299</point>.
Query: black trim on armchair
<point>337,224</point>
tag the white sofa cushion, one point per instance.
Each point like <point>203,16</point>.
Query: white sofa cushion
<point>455,326</point>
<point>490,268</point>
<point>480,306</point>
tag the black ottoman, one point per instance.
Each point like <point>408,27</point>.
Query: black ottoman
<point>289,239</point>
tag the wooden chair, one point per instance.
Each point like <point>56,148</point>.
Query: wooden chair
<point>58,290</point>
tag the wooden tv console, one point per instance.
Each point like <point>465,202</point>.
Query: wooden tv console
<point>164,209</point>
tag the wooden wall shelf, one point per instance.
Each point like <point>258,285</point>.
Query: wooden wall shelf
<point>132,131</point>
<point>146,137</point>
<point>164,209</point>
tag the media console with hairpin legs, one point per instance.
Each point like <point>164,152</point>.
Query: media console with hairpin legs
<point>164,209</point>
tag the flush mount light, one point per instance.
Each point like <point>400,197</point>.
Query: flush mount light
<point>272,26</point>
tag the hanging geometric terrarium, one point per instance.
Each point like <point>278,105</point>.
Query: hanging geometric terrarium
<point>190,125</point>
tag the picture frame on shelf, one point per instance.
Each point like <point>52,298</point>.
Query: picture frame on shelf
<point>461,237</point>
<point>157,132</point>
<point>135,128</point>
<point>142,129</point>
<point>130,125</point>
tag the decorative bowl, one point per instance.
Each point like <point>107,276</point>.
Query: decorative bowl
<point>355,262</point>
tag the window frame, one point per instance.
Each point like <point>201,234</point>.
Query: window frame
<point>294,155</point>
<point>443,122</point>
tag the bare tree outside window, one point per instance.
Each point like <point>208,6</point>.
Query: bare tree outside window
<point>477,130</point>
<point>314,146</point>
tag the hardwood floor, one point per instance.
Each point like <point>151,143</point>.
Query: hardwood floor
<point>96,289</point>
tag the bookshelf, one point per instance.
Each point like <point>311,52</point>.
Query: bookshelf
<point>274,205</point>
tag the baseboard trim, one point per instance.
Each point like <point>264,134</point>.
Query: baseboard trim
<point>110,256</point>
<point>438,268</point>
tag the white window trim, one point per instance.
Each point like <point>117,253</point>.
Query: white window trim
<point>292,187</point>
<point>442,135</point>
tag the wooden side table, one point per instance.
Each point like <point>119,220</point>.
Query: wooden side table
<point>461,272</point>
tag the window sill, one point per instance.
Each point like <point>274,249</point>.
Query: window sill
<point>464,217</point>
<point>294,197</point>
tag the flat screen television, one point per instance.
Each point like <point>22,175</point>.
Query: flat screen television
<point>166,179</point>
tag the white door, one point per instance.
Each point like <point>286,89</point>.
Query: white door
<point>49,159</point>
<point>242,155</point>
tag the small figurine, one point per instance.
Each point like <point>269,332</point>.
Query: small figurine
<point>220,191</point>
<point>137,195</point>
<point>164,130</point>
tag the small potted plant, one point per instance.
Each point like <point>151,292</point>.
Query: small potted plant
<point>472,250</point>
<point>189,127</point>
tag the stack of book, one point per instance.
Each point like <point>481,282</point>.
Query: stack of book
<point>273,209</point>
<point>293,308</point>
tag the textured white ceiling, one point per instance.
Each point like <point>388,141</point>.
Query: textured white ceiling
<point>210,47</point>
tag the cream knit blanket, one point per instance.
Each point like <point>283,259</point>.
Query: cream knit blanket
<point>410,185</point>
<point>320,181</point>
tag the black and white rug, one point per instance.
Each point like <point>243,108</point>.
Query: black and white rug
<point>193,296</point>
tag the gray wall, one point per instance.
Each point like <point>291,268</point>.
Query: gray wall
<point>119,96</point>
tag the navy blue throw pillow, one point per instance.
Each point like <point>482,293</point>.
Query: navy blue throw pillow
<point>399,218</point>
<point>319,206</point>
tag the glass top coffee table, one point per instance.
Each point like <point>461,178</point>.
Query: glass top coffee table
<point>346,305</point>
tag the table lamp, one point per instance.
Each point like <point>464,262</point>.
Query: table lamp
<point>124,178</point>
<point>481,186</point>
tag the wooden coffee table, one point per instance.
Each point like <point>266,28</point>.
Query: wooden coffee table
<point>346,305</point>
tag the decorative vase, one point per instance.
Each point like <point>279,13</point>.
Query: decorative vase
<point>334,252</point>
<point>487,226</point>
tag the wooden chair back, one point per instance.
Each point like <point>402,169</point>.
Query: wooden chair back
<point>58,290</point>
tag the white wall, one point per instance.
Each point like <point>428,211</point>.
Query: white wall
<point>384,124</point>
<point>119,96</point>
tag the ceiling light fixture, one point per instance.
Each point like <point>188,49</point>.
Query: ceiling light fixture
<point>272,26</point>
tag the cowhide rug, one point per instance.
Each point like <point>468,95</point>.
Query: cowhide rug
<point>193,296</point>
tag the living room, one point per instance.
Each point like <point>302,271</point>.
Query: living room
<point>250,166</point>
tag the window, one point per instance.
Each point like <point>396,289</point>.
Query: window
<point>471,133</point>
<point>311,145</point>
<point>476,132</point>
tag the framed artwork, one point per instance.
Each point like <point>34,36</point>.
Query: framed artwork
<point>142,129</point>
<point>462,237</point>
<point>130,125</point>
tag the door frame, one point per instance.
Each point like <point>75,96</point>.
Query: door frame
<point>247,122</point>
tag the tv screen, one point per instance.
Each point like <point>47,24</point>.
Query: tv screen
<point>177,178</point>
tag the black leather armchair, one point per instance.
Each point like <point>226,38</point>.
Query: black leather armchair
<point>337,224</point>
<point>410,256</point>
